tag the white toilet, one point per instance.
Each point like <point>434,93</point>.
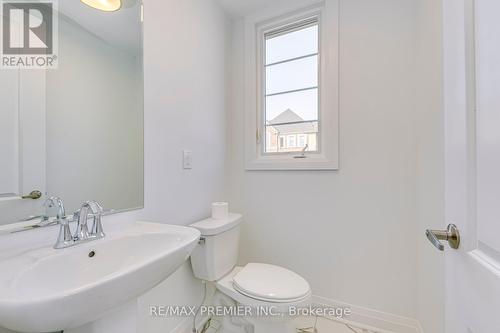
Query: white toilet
<point>255,285</point>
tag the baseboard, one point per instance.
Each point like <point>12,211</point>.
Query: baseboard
<point>372,320</point>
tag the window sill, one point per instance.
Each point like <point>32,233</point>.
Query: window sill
<point>284,163</point>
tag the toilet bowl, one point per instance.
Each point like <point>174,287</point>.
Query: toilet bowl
<point>269,298</point>
<point>267,293</point>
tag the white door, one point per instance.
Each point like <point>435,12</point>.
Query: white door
<point>22,139</point>
<point>22,142</point>
<point>472,118</point>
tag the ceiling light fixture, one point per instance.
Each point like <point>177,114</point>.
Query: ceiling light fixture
<point>104,5</point>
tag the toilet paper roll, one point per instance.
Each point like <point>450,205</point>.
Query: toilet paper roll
<point>220,210</point>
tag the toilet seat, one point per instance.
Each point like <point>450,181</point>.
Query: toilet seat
<point>270,283</point>
<point>281,323</point>
<point>227,286</point>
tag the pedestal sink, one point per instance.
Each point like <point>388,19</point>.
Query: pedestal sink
<point>48,290</point>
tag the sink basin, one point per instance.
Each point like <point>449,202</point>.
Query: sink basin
<point>47,290</point>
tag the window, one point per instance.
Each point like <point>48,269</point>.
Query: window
<point>282,142</point>
<point>301,141</point>
<point>291,69</point>
<point>291,83</point>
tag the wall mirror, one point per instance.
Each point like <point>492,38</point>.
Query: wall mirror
<point>76,131</point>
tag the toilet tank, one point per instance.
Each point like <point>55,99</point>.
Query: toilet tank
<point>217,253</point>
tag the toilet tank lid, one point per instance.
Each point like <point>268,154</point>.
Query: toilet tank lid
<point>211,227</point>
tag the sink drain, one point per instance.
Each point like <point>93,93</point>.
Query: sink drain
<point>91,254</point>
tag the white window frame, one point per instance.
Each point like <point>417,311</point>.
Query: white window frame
<point>327,158</point>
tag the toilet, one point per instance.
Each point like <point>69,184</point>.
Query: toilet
<point>255,285</point>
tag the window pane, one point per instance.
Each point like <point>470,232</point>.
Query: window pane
<point>292,122</point>
<point>301,140</point>
<point>297,74</point>
<point>292,45</point>
<point>291,90</point>
<point>303,103</point>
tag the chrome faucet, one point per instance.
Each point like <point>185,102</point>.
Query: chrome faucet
<point>45,218</point>
<point>64,238</point>
<point>82,230</point>
<point>51,202</point>
<point>82,233</point>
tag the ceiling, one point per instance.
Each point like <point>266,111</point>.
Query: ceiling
<point>121,29</point>
<point>240,8</point>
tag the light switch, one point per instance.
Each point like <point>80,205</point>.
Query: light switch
<point>187,159</point>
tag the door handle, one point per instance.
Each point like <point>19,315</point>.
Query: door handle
<point>451,235</point>
<point>33,195</point>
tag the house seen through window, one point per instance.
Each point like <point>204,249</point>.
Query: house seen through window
<point>291,88</point>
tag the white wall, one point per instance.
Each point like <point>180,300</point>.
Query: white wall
<point>184,57</point>
<point>430,150</point>
<point>184,49</point>
<point>351,233</point>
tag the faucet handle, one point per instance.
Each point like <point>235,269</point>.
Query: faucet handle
<point>95,207</point>
<point>96,229</point>
<point>65,238</point>
<point>82,231</point>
